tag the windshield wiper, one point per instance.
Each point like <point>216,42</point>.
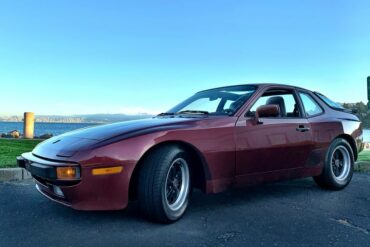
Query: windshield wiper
<point>193,112</point>
<point>166,114</point>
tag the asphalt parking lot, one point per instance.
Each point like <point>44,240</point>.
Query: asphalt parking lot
<point>294,213</point>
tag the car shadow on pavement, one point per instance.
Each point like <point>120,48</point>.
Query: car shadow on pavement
<point>200,203</point>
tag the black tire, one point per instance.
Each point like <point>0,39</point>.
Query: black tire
<point>155,183</point>
<point>332,177</point>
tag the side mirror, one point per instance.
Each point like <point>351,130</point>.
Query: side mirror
<point>267,111</point>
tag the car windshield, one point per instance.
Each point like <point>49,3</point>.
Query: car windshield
<point>329,102</point>
<point>219,101</point>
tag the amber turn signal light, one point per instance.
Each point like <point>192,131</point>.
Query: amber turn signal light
<point>107,170</point>
<point>68,173</point>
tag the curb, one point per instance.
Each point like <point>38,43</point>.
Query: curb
<point>363,166</point>
<point>14,174</point>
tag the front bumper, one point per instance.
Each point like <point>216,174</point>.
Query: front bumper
<point>45,170</point>
<point>90,192</point>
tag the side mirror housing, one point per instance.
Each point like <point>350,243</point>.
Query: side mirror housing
<point>267,111</point>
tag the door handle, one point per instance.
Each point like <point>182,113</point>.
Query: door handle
<point>302,128</point>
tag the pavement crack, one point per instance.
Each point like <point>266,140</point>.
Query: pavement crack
<point>228,236</point>
<point>364,216</point>
<point>205,222</point>
<point>347,223</point>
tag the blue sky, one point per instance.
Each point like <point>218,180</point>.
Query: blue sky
<point>73,57</point>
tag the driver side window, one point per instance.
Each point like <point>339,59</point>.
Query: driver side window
<point>285,100</point>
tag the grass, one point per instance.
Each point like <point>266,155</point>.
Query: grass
<point>364,156</point>
<point>363,161</point>
<point>11,148</point>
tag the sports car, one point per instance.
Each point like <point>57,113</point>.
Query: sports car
<point>217,139</point>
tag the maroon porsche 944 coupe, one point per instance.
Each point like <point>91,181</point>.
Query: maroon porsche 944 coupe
<point>225,137</point>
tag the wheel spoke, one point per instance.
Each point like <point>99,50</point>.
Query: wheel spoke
<point>168,182</point>
<point>335,170</point>
<point>169,191</point>
<point>172,172</point>
<point>178,171</point>
<point>170,198</point>
<point>176,189</point>
<point>172,190</point>
<point>336,155</point>
<point>177,183</point>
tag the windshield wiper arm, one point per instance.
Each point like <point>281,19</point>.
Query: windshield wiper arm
<point>166,114</point>
<point>193,112</point>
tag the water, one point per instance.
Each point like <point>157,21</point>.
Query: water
<point>44,128</point>
<point>60,128</point>
<point>366,135</point>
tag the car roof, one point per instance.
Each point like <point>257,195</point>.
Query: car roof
<point>258,85</point>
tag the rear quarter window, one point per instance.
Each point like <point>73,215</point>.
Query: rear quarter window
<point>311,107</point>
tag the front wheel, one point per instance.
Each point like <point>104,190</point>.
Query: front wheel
<point>164,184</point>
<point>338,167</point>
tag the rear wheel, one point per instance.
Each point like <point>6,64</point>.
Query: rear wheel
<point>338,167</point>
<point>164,184</point>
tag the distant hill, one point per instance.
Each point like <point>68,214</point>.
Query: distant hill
<point>109,118</point>
<point>87,118</point>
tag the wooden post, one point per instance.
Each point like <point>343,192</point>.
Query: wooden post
<point>368,92</point>
<point>29,125</point>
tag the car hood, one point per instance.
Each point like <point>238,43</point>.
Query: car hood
<point>66,145</point>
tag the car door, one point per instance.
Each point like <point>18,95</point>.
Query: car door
<point>273,143</point>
